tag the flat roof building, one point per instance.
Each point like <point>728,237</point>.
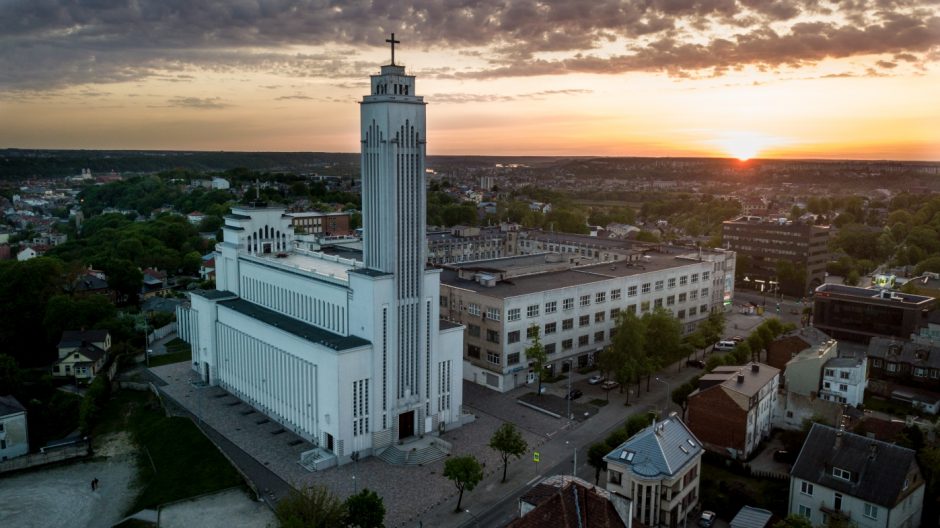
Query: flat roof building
<point>858,314</point>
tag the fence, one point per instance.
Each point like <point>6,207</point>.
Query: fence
<point>160,333</point>
<point>48,456</point>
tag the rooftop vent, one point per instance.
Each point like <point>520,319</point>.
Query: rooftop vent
<point>740,378</point>
<point>755,368</point>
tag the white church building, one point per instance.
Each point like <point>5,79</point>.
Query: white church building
<point>352,356</point>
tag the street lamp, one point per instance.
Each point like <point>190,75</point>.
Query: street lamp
<point>476,521</point>
<point>568,396</point>
<point>666,383</point>
<point>574,465</point>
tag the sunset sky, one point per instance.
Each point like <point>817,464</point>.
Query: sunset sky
<point>740,78</point>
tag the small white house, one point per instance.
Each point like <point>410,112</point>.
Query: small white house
<point>26,254</point>
<point>14,437</point>
<point>844,380</point>
<point>220,183</point>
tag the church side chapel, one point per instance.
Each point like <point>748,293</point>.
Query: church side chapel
<point>350,355</point>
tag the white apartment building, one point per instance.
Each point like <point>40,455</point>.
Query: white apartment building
<point>574,308</point>
<point>845,380</point>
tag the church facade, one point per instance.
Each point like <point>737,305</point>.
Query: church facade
<point>351,355</point>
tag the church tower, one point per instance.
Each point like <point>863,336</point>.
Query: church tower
<point>393,214</point>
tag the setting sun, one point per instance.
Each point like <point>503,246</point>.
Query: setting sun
<point>744,145</point>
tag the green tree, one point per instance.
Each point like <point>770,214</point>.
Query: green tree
<point>596,454</point>
<point>311,507</point>
<point>794,521</point>
<point>535,354</point>
<point>365,510</point>
<point>637,423</point>
<point>465,472</point>
<point>662,341</point>
<point>10,375</point>
<point>627,348</point>
<point>508,442</point>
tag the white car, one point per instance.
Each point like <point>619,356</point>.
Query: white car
<point>595,379</point>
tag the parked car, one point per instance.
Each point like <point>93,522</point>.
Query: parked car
<point>736,339</point>
<point>725,345</point>
<point>697,363</point>
<point>782,455</point>
<point>574,394</point>
<point>607,385</point>
<point>595,379</point>
<point>707,520</point>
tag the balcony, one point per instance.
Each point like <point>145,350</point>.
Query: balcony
<point>827,508</point>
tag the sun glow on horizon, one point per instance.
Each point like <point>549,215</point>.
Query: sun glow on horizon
<point>745,145</point>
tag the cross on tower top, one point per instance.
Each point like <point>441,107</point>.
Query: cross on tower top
<point>392,41</point>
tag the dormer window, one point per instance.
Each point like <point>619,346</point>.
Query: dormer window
<point>840,473</point>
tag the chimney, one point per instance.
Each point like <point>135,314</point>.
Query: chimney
<point>755,367</point>
<point>740,378</point>
<point>838,444</point>
<point>872,450</point>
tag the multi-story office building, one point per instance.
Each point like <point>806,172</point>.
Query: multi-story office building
<point>858,314</point>
<point>317,223</point>
<point>767,241</point>
<point>503,302</point>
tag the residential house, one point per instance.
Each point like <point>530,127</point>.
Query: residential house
<point>14,435</point>
<point>195,217</point>
<point>154,282</point>
<point>786,347</point>
<point>906,370</point>
<point>82,354</point>
<point>207,267</point>
<point>90,283</point>
<point>27,253</point>
<point>570,502</point>
<point>844,380</point>
<point>847,477</point>
<point>658,470</point>
<point>733,408</point>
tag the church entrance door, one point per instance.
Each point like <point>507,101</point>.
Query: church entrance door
<point>406,425</point>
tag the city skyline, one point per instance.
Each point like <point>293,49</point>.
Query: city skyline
<point>788,79</point>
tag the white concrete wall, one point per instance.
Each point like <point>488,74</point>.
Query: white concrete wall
<point>14,435</point>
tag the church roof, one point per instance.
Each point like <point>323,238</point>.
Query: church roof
<point>293,326</point>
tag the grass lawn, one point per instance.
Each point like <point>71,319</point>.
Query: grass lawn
<point>894,407</point>
<point>725,492</point>
<point>177,345</point>
<point>171,357</point>
<point>186,462</point>
<point>598,402</point>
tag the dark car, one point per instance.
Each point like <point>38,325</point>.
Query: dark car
<point>574,394</point>
<point>782,455</point>
<point>697,363</point>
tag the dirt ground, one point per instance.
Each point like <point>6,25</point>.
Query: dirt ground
<point>232,508</point>
<point>62,496</point>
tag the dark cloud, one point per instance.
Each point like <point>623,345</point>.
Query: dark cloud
<point>50,44</point>
<point>461,98</point>
<point>289,97</point>
<point>886,64</point>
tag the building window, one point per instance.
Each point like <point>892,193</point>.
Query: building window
<point>513,337</point>
<point>551,307</point>
<point>614,477</point>
<point>682,297</point>
<point>703,308</point>
<point>631,309</point>
<point>844,375</point>
<point>692,311</point>
<point>567,344</point>
<point>659,285</point>
<point>671,300</point>
<point>683,280</point>
<point>549,348</point>
<point>584,320</point>
<point>645,306</point>
<point>805,511</point>
<point>473,351</point>
<point>830,373</point>
<point>514,314</point>
<point>646,287</point>
<point>614,312</point>
<point>532,332</point>
<point>599,317</point>
<point>532,311</point>
<point>892,367</point>
<point>600,297</point>
<point>706,275</point>
<point>871,511</point>
<point>492,336</point>
<point>920,372</point>
<point>567,324</point>
<point>585,300</point>
<point>631,291</point>
<point>492,357</point>
<point>672,283</point>
<point>657,303</point>
<point>473,309</point>
<point>806,488</point>
<point>704,293</point>
<point>492,314</point>
<point>512,359</point>
<point>615,294</point>
<point>598,336</point>
<point>584,340</point>
<point>841,473</point>
<point>568,303</point>
<point>550,328</point>
<point>473,330</point>
<point>843,387</point>
<point>693,294</point>
<point>681,314</point>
